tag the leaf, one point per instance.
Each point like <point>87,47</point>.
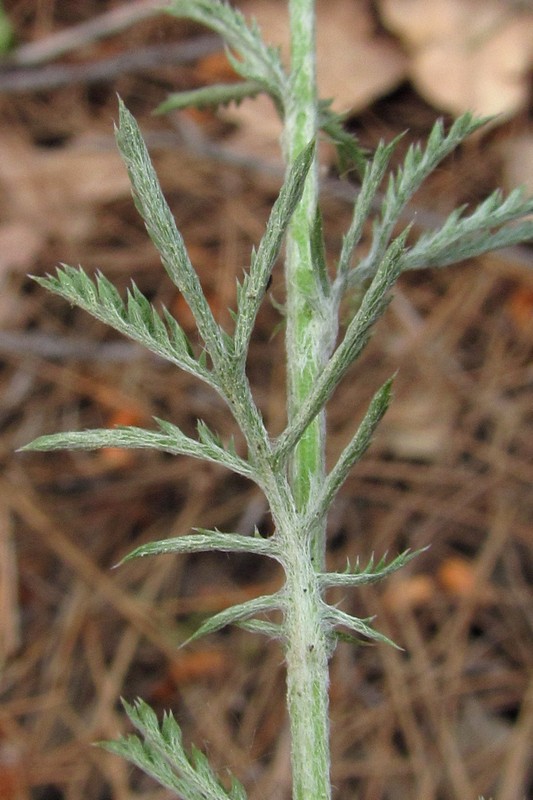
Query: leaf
<point>207,436</point>
<point>137,319</point>
<point>255,60</point>
<point>350,154</point>
<point>356,64</point>
<point>210,447</point>
<point>372,178</point>
<point>206,540</point>
<point>169,439</point>
<point>266,628</point>
<point>7,32</point>
<point>335,617</point>
<point>131,749</point>
<point>237,614</point>
<point>467,236</point>
<point>418,164</point>
<point>162,229</point>
<point>253,289</point>
<point>318,254</point>
<point>116,456</point>
<point>221,94</point>
<point>163,756</point>
<point>353,451</point>
<point>369,574</point>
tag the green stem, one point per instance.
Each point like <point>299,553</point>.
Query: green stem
<point>307,351</point>
<point>306,656</point>
<point>304,340</point>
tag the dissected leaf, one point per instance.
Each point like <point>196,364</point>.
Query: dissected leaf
<point>463,236</point>
<point>254,60</point>
<point>371,573</point>
<point>218,95</point>
<point>361,627</point>
<point>204,541</point>
<point>355,65</point>
<point>168,439</point>
<point>238,614</point>
<point>162,755</point>
<point>254,286</point>
<point>163,231</point>
<point>418,164</point>
<point>136,318</point>
<point>354,450</point>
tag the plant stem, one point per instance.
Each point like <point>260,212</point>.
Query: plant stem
<point>304,550</point>
<point>306,657</point>
<point>304,340</point>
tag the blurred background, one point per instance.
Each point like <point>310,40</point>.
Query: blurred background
<point>449,717</point>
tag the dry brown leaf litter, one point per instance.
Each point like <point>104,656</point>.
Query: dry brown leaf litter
<point>461,55</point>
<point>466,55</point>
<point>355,63</point>
<point>452,716</point>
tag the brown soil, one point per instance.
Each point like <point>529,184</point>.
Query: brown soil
<point>448,717</point>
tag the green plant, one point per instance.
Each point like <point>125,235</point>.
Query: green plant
<point>6,31</point>
<point>289,469</point>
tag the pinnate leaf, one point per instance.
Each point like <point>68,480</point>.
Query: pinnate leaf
<point>161,754</point>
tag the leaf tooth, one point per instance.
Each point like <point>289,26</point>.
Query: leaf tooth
<point>178,337</point>
<point>109,296</point>
<point>207,436</point>
<point>159,328</point>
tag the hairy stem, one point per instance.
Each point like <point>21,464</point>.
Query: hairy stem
<point>306,649</point>
<point>304,346</point>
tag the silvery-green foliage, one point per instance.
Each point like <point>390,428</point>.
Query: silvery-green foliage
<point>169,439</point>
<point>164,233</point>
<point>246,50</point>
<point>135,317</point>
<point>465,236</point>
<point>161,754</point>
<point>220,95</point>
<point>353,451</point>
<point>203,540</point>
<point>251,292</point>
<point>262,69</point>
<point>300,608</point>
<point>371,573</point>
